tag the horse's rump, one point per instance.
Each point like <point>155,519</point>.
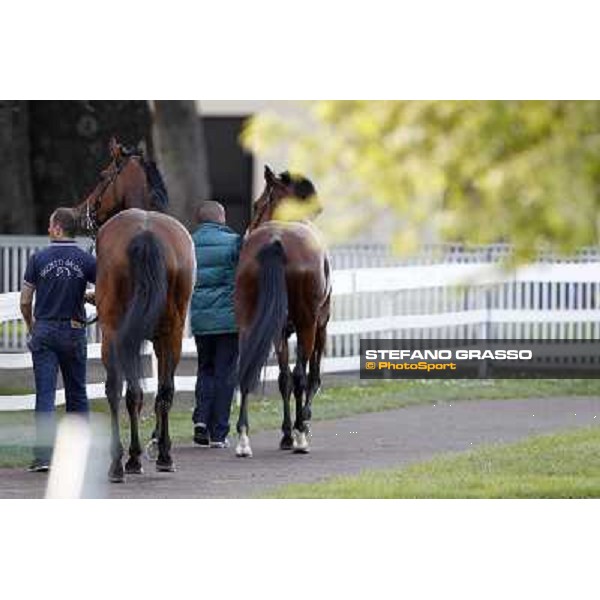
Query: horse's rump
<point>146,268</point>
<point>307,266</point>
<point>115,236</point>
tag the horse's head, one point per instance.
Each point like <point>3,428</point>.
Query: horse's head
<point>278,189</point>
<point>123,184</point>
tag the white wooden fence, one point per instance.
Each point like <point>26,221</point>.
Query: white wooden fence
<point>445,292</point>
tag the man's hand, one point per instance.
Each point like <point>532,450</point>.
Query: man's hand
<point>27,304</point>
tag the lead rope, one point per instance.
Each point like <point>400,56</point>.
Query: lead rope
<point>264,383</point>
<point>91,225</point>
<point>92,251</point>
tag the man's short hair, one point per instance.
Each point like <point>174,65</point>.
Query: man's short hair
<point>209,210</point>
<point>65,217</point>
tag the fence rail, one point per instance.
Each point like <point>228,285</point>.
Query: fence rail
<point>445,292</point>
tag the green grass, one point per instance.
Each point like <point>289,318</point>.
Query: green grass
<point>353,397</point>
<point>14,456</point>
<point>565,465</point>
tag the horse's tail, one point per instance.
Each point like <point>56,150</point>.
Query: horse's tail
<point>270,316</point>
<point>148,277</point>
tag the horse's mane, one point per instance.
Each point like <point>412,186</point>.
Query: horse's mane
<point>157,184</point>
<point>160,196</point>
<point>303,188</point>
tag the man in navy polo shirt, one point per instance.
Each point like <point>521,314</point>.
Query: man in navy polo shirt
<point>58,275</point>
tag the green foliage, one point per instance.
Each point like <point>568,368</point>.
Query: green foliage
<point>525,172</point>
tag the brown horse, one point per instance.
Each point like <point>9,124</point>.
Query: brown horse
<point>282,285</point>
<point>145,275</point>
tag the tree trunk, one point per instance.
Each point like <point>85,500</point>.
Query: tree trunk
<point>16,207</point>
<point>181,155</point>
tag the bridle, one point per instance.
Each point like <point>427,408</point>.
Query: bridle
<point>263,209</point>
<point>91,212</point>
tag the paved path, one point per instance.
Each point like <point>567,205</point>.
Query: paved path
<point>344,446</point>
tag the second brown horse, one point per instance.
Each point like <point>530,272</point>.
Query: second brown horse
<point>282,286</point>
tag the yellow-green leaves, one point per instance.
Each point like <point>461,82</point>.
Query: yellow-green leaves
<point>526,172</point>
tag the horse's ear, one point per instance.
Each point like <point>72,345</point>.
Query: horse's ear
<point>269,175</point>
<point>114,148</point>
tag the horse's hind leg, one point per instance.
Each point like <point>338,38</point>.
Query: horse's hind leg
<point>314,374</point>
<point>134,398</point>
<point>285,381</point>
<point>243,448</point>
<point>114,388</point>
<point>306,342</point>
<point>168,350</point>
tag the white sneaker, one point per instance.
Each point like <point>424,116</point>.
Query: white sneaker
<point>223,444</point>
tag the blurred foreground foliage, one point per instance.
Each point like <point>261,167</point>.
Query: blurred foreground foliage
<point>521,172</point>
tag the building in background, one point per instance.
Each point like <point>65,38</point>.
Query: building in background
<point>236,175</point>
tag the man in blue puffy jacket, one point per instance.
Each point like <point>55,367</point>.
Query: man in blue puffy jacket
<point>213,324</point>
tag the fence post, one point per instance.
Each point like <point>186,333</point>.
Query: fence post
<point>487,324</point>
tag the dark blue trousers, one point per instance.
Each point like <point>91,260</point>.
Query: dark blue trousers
<point>55,344</point>
<point>217,357</point>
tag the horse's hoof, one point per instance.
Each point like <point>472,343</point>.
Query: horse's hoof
<point>165,467</point>
<point>152,450</point>
<point>243,452</point>
<point>133,468</point>
<point>116,476</point>
<point>300,445</point>
<point>286,443</point>
<point>243,449</point>
<point>115,473</point>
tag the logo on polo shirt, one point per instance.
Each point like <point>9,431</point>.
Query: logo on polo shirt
<point>60,267</point>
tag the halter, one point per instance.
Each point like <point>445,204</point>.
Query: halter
<point>91,222</point>
<point>266,205</point>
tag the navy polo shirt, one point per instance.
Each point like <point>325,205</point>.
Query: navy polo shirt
<point>60,274</point>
